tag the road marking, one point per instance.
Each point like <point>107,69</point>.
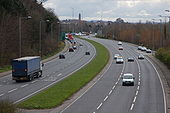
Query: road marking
<point>24,85</point>
<point>134,100</point>
<point>42,77</point>
<point>131,108</point>
<point>138,83</point>
<point>163,90</point>
<point>139,73</point>
<point>34,81</point>
<point>1,95</point>
<point>59,74</point>
<point>139,79</point>
<point>99,106</point>
<point>117,82</point>
<point>137,93</point>
<point>113,87</point>
<point>138,88</point>
<point>12,90</point>
<point>105,98</point>
<point>110,92</point>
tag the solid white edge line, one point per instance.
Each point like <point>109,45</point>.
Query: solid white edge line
<point>163,90</point>
<point>131,108</point>
<point>99,106</point>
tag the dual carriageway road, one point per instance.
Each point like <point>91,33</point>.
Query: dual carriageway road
<point>107,95</point>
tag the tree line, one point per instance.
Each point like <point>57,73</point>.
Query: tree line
<point>14,23</point>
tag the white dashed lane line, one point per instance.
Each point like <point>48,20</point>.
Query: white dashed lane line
<point>134,100</point>
<point>137,93</point>
<point>1,95</point>
<point>24,85</point>
<point>138,88</point>
<point>34,81</point>
<point>59,74</point>
<point>99,106</point>
<point>12,90</point>
<point>105,98</point>
<point>110,92</point>
<point>131,108</point>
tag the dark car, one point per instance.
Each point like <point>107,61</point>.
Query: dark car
<point>61,56</point>
<point>87,53</point>
<point>71,50</point>
<point>130,59</point>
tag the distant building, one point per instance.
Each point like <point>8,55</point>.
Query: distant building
<point>79,17</point>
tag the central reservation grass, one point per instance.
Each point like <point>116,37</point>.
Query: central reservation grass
<point>58,93</point>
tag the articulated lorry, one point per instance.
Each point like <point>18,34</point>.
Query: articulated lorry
<point>26,68</point>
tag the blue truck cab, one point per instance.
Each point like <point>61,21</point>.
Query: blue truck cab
<point>26,68</point>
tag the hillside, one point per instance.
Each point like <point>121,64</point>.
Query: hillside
<point>21,36</point>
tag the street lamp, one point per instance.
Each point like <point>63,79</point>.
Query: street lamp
<point>20,35</point>
<point>40,36</point>
<point>153,36</point>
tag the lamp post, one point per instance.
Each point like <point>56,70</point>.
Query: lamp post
<point>20,34</point>
<point>153,36</point>
<point>40,37</point>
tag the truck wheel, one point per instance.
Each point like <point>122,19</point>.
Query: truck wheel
<point>40,74</point>
<point>17,80</point>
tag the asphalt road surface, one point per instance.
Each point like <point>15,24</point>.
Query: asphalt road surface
<point>53,71</point>
<point>109,96</point>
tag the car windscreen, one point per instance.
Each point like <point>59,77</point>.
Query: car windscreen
<point>127,77</point>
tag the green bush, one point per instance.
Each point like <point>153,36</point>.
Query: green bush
<point>163,54</point>
<point>8,107</point>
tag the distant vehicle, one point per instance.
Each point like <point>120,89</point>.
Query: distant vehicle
<point>141,56</point>
<point>80,44</point>
<point>119,43</point>
<point>119,60</point>
<point>139,47</point>
<point>128,79</point>
<point>130,59</point>
<point>121,48</point>
<point>71,49</point>
<point>116,55</point>
<point>74,47</point>
<point>61,56</point>
<point>148,51</point>
<point>143,49</point>
<point>26,68</point>
<point>87,53</point>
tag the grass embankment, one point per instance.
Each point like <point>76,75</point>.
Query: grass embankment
<point>163,54</point>
<point>61,91</point>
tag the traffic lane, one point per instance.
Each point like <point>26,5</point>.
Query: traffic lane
<point>91,99</point>
<point>53,72</point>
<point>151,98</point>
<point>123,96</point>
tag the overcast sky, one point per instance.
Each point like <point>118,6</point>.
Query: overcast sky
<point>128,10</point>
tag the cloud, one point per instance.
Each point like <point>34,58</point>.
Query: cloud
<point>130,10</point>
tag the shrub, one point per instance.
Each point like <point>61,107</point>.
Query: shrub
<point>8,107</point>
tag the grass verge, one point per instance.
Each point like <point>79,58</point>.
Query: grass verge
<point>58,93</point>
